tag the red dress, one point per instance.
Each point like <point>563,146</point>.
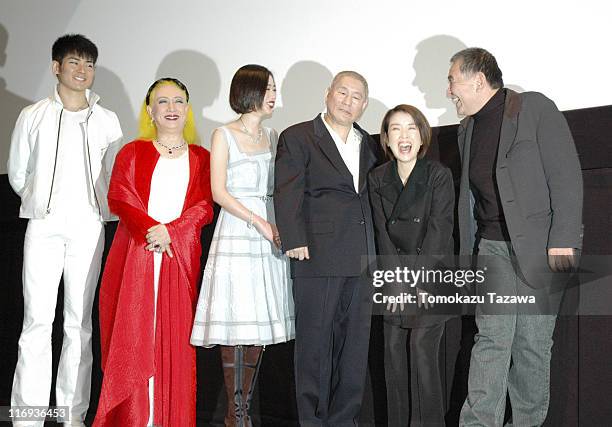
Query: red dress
<point>131,354</point>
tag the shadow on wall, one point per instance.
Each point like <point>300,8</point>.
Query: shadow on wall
<point>201,76</point>
<point>302,93</point>
<point>11,105</point>
<point>114,97</point>
<point>431,64</point>
<point>373,115</point>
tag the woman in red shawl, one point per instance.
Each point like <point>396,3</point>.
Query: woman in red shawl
<point>160,189</point>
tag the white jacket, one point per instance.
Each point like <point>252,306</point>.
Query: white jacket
<point>33,154</point>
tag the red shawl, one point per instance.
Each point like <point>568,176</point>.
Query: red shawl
<point>130,352</point>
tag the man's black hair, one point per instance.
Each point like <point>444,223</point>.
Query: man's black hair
<point>76,44</point>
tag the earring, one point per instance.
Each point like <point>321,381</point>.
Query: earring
<point>152,122</point>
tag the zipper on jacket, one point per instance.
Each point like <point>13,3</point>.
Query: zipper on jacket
<point>93,186</point>
<point>59,128</point>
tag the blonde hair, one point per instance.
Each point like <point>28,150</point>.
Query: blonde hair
<point>146,126</point>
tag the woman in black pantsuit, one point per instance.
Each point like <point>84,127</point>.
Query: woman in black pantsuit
<point>412,201</point>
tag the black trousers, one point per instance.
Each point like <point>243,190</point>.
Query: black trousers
<point>416,394</point>
<point>332,331</point>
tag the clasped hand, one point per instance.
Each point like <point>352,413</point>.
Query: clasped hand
<point>158,240</point>
<point>421,298</point>
<point>268,231</point>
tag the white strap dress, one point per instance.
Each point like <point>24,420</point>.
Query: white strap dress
<point>246,297</point>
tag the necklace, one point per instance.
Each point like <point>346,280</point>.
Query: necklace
<point>254,139</point>
<point>170,149</point>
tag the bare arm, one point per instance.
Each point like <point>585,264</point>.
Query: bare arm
<point>219,157</point>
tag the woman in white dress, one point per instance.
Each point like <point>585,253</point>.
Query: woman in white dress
<point>245,301</point>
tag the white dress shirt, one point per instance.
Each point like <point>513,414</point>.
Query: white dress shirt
<point>349,150</point>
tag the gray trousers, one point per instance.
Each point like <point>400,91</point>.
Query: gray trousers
<point>512,351</point>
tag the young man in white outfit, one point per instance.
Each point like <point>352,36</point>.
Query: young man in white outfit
<point>60,161</point>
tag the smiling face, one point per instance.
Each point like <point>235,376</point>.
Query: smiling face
<point>74,73</point>
<point>267,106</point>
<point>168,108</point>
<point>403,137</point>
<point>346,101</point>
<point>463,90</point>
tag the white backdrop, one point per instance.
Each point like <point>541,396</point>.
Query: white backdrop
<point>402,47</point>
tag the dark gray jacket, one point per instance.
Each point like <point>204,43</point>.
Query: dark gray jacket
<point>539,180</point>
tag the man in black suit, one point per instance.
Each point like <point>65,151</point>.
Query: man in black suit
<point>324,219</point>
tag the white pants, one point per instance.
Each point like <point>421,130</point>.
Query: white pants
<point>55,245</point>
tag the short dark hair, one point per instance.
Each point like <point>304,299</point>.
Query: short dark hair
<point>74,44</point>
<point>477,59</point>
<point>157,82</point>
<point>248,88</point>
<point>419,120</point>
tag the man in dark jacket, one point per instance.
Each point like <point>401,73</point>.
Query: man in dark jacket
<point>325,223</point>
<point>520,209</point>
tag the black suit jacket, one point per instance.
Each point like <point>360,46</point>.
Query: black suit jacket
<point>316,203</point>
<point>414,226</point>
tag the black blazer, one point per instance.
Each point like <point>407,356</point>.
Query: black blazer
<point>413,222</point>
<point>316,203</point>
